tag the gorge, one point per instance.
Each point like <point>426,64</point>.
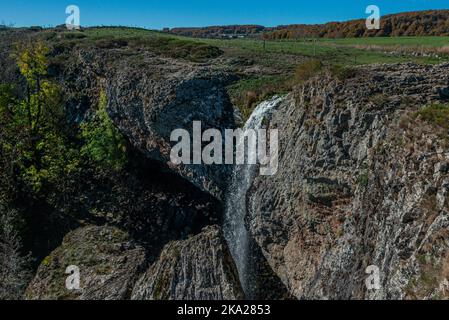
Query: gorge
<point>362,180</point>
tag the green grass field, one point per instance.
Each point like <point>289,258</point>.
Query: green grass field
<point>392,41</point>
<point>338,51</point>
<point>351,51</point>
<point>120,32</point>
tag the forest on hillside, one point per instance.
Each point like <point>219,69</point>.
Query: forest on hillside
<point>420,23</point>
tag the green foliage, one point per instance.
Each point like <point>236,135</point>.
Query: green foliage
<point>307,70</point>
<point>436,114</point>
<point>52,159</point>
<point>32,137</point>
<point>177,48</point>
<point>42,97</point>
<point>104,143</point>
<point>32,62</point>
<point>134,38</point>
<point>247,93</point>
<point>342,73</point>
<point>363,179</point>
<point>7,99</point>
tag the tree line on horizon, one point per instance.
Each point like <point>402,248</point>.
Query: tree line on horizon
<point>420,23</point>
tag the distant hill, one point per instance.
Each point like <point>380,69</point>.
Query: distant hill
<point>419,23</point>
<point>219,31</point>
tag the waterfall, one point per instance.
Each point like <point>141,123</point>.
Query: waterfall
<point>235,231</point>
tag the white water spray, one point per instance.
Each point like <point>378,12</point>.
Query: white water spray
<point>236,234</point>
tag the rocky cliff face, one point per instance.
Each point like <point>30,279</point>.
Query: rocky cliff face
<point>199,268</point>
<point>362,181</point>
<point>149,97</point>
<point>147,105</point>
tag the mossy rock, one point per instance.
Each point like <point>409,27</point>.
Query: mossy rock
<point>109,262</point>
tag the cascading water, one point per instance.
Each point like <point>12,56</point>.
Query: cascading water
<point>235,231</point>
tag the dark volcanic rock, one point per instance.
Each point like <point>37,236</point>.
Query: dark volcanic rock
<point>361,182</point>
<point>109,264</point>
<point>199,268</point>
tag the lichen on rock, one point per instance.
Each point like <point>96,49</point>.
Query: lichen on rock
<point>198,268</point>
<point>108,260</point>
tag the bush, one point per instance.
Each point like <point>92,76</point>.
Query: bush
<point>247,93</point>
<point>7,99</point>
<point>111,43</point>
<point>72,35</point>
<point>175,48</point>
<point>342,73</point>
<point>436,114</point>
<point>307,70</point>
<point>104,144</point>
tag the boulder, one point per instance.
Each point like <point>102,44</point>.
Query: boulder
<point>108,261</point>
<point>199,268</point>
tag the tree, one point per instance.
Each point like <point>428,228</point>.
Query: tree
<point>33,64</point>
<point>32,131</point>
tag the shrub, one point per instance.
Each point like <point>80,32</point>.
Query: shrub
<point>176,48</point>
<point>307,70</point>
<point>104,144</point>
<point>363,179</point>
<point>247,93</point>
<point>7,99</point>
<point>342,73</point>
<point>73,35</point>
<point>436,114</point>
<point>111,43</point>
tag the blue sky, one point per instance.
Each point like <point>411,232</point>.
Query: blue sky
<point>170,13</point>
